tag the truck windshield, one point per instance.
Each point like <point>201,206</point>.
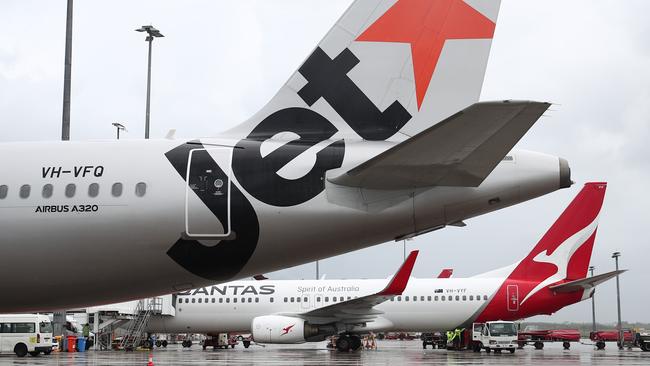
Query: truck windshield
<point>46,327</point>
<point>503,329</point>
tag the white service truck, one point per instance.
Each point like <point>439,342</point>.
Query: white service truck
<point>494,336</point>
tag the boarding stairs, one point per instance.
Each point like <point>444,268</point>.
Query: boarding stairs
<point>136,332</point>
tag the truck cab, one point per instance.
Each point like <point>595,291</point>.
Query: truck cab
<point>494,336</point>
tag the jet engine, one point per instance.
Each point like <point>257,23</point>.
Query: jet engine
<point>287,330</point>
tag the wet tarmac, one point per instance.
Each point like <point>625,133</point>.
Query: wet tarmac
<point>388,353</point>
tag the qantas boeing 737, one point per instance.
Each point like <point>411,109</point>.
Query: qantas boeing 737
<point>377,136</point>
<point>551,277</point>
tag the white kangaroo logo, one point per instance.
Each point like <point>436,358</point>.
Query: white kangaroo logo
<point>561,256</point>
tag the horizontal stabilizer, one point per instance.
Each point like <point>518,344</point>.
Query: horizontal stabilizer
<point>460,151</point>
<point>585,283</point>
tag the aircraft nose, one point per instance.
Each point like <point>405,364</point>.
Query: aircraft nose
<point>565,174</point>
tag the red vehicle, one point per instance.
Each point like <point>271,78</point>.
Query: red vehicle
<point>602,336</point>
<point>539,337</point>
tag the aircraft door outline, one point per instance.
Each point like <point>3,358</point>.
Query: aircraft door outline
<point>212,184</point>
<point>512,297</point>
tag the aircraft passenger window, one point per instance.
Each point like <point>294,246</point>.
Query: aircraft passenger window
<point>3,191</point>
<point>399,298</point>
<point>227,300</point>
<point>271,299</point>
<point>327,299</point>
<point>234,300</point>
<point>292,299</point>
<point>116,190</point>
<point>318,299</point>
<point>207,300</point>
<point>24,190</point>
<point>286,299</point>
<point>70,190</point>
<point>349,297</point>
<point>214,300</point>
<point>471,297</point>
<point>93,190</point>
<point>342,298</point>
<point>392,299</point>
<point>257,299</point>
<point>484,297</point>
<point>415,298</point>
<point>47,191</point>
<point>243,300</point>
<point>297,299</point>
<point>193,300</point>
<point>140,189</point>
<point>464,298</point>
<point>305,300</point>
<point>422,298</point>
<point>406,298</point>
<point>200,301</point>
<point>221,300</point>
<point>442,298</point>
<point>457,298</point>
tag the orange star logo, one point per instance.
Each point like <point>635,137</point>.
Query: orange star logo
<point>427,25</point>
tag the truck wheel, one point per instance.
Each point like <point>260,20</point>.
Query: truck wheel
<point>539,345</point>
<point>164,344</point>
<point>566,345</point>
<point>240,338</point>
<point>147,344</point>
<point>20,350</point>
<point>512,350</point>
<point>645,347</point>
<point>158,344</point>
<point>247,344</point>
<point>424,345</point>
<point>600,345</point>
<point>488,350</point>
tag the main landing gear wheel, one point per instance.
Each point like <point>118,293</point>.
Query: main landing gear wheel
<point>539,345</point>
<point>344,344</point>
<point>512,350</point>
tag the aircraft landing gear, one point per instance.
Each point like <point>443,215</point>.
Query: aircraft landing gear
<point>347,342</point>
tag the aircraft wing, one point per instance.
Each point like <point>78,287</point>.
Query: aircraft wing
<point>460,151</point>
<point>360,309</point>
<point>585,283</point>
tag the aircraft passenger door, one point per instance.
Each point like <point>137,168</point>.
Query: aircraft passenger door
<point>306,302</point>
<point>207,193</point>
<point>513,297</point>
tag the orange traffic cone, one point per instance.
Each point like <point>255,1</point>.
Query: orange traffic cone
<point>150,363</point>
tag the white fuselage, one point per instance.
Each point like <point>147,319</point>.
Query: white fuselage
<point>112,228</point>
<point>420,308</point>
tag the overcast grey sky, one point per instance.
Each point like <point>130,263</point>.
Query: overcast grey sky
<point>222,60</point>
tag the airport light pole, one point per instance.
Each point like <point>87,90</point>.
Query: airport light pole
<point>151,34</point>
<point>615,255</point>
<point>119,127</point>
<point>593,303</point>
<point>67,75</point>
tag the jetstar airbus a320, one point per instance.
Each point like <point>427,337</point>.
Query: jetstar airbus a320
<point>378,136</point>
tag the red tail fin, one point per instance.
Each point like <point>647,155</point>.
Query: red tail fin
<point>565,250</point>
<point>562,255</point>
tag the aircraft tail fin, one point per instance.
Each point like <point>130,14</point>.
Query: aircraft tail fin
<point>386,67</point>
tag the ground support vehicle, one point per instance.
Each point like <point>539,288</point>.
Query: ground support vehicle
<point>539,337</point>
<point>601,337</point>
<point>220,340</point>
<point>435,339</point>
<point>24,334</point>
<point>642,340</point>
<point>494,336</point>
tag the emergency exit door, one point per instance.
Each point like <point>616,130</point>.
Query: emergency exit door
<point>513,297</point>
<point>207,194</point>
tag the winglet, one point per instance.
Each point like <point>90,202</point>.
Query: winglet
<point>399,281</point>
<point>446,273</point>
